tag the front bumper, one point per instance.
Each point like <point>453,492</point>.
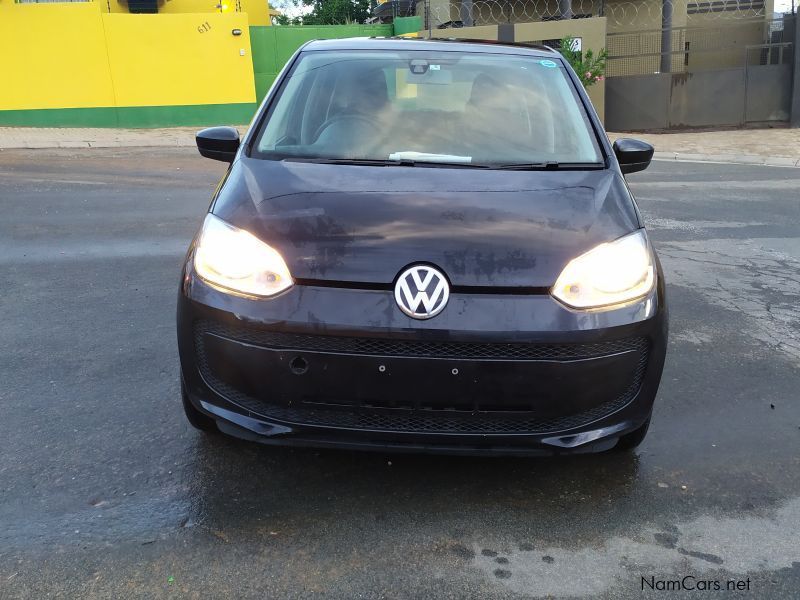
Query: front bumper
<point>509,374</point>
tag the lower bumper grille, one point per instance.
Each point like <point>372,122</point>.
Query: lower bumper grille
<point>419,348</point>
<point>429,421</point>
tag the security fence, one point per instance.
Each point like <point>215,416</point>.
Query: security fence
<point>621,14</point>
<point>671,63</point>
<point>729,73</point>
<point>715,45</point>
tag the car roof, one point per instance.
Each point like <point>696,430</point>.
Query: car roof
<point>438,44</point>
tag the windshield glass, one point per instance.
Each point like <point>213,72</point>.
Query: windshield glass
<point>437,107</point>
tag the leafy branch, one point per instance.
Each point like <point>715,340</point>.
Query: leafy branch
<point>589,68</point>
<point>321,12</point>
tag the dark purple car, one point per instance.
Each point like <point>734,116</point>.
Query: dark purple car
<point>424,246</point>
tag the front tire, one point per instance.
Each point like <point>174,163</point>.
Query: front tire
<point>631,440</point>
<point>197,419</point>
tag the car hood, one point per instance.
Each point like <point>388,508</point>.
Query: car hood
<point>363,224</point>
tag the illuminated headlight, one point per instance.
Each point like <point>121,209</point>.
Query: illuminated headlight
<point>611,273</point>
<point>235,260</point>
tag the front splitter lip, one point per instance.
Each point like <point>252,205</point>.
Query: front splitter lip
<point>271,433</point>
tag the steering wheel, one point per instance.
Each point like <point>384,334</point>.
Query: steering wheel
<point>343,118</point>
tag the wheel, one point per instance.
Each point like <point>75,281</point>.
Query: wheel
<point>197,419</point>
<point>631,440</point>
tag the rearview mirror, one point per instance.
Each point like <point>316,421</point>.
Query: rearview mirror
<point>633,155</point>
<point>218,143</point>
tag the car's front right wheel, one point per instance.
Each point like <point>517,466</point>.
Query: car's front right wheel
<point>197,419</point>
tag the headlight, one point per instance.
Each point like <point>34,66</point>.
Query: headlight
<point>236,260</point>
<point>611,273</point>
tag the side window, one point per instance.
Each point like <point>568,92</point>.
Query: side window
<point>570,142</point>
<point>318,104</point>
<point>287,117</point>
<point>279,119</point>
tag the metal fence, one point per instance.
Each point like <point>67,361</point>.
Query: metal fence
<point>445,14</point>
<point>713,46</point>
<point>717,34</point>
<point>728,75</point>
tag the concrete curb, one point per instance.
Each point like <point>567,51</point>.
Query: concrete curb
<point>32,138</point>
<point>144,143</point>
<point>740,159</point>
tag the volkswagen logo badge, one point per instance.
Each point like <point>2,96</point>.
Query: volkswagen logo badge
<point>421,291</point>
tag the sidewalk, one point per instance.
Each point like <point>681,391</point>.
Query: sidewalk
<point>775,147</point>
<point>44,137</point>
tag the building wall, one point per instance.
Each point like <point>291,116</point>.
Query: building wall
<point>716,40</point>
<point>717,44</point>
<point>634,29</point>
<point>174,60</point>
<point>54,56</point>
<point>478,32</point>
<point>722,44</point>
<point>76,64</point>
<point>257,10</point>
<point>95,64</point>
<point>591,31</point>
<point>593,37</point>
<point>407,26</point>
<point>641,15</point>
<point>273,46</point>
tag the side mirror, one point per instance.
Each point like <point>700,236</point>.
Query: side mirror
<point>218,143</point>
<point>633,155</point>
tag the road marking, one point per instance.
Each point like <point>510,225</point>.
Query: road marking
<point>113,249</point>
<point>723,162</point>
<point>50,180</point>
<point>759,184</point>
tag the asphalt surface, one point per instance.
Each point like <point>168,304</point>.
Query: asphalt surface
<point>105,491</point>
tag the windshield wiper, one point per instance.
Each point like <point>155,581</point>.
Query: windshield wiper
<point>442,164</point>
<point>372,162</point>
<point>549,165</point>
<point>346,161</point>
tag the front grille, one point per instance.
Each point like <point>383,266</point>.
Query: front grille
<point>406,420</point>
<point>419,348</point>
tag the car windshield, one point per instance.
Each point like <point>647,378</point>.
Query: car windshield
<point>420,107</point>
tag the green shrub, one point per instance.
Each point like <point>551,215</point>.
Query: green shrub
<point>589,68</point>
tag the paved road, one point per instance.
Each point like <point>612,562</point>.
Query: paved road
<point>106,491</point>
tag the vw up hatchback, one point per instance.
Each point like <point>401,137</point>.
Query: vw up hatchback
<point>423,246</point>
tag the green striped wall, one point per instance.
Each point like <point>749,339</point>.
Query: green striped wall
<point>271,46</point>
<point>407,25</point>
<point>131,116</point>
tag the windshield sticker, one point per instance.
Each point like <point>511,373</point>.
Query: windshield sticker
<point>548,63</point>
<point>435,67</point>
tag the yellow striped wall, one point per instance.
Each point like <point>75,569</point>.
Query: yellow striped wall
<point>78,56</point>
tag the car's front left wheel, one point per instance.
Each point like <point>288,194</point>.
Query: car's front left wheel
<point>197,419</point>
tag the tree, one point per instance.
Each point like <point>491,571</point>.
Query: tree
<point>323,12</point>
<point>589,68</point>
<point>333,12</point>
